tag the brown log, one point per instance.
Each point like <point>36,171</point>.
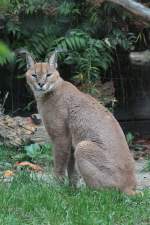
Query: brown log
<point>17,131</point>
<point>132,6</point>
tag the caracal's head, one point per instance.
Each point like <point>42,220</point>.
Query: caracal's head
<point>42,77</point>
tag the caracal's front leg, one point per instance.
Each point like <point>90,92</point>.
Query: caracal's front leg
<point>62,149</point>
<point>72,172</point>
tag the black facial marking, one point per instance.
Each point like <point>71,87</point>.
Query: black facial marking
<point>34,75</point>
<point>48,75</point>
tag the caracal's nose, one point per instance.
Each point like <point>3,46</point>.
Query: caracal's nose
<point>40,84</point>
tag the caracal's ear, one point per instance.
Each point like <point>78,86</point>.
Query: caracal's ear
<point>29,58</point>
<point>52,60</point>
<point>30,61</point>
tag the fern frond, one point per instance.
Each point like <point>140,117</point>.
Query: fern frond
<point>91,56</point>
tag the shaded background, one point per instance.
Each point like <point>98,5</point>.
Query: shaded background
<point>98,42</point>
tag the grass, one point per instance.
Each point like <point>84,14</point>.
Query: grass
<point>31,202</point>
<point>28,201</point>
<point>37,154</point>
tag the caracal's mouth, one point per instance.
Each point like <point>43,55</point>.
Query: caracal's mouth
<point>41,89</point>
<point>44,90</point>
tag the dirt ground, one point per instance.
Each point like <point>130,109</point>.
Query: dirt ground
<point>143,178</point>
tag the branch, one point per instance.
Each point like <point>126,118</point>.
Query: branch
<point>132,6</point>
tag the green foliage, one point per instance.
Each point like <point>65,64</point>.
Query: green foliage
<point>130,138</point>
<point>147,166</point>
<point>68,9</point>
<point>41,25</point>
<point>32,150</point>
<point>36,151</point>
<point>27,6</point>
<point>4,4</point>
<point>40,154</point>
<point>90,56</point>
<point>5,54</point>
<point>91,36</point>
<point>118,38</point>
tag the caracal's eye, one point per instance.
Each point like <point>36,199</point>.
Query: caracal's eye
<point>34,75</point>
<point>48,75</point>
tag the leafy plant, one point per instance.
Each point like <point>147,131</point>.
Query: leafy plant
<point>130,138</point>
<point>90,56</point>
<point>5,54</point>
<point>32,150</point>
<point>35,153</point>
<point>92,37</point>
<point>4,4</point>
<point>68,9</point>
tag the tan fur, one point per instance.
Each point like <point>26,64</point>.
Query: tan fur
<point>83,132</point>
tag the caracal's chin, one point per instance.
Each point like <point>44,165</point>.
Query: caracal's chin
<point>44,90</point>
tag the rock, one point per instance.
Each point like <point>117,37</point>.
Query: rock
<point>140,58</point>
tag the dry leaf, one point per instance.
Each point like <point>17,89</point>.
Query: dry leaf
<point>32,166</point>
<point>8,173</point>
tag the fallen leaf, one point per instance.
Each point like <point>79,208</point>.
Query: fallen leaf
<point>33,166</point>
<point>8,173</point>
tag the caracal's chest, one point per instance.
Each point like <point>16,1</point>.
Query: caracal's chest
<point>54,115</point>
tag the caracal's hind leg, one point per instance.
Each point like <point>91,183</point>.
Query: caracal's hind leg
<point>98,169</point>
<point>93,166</point>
